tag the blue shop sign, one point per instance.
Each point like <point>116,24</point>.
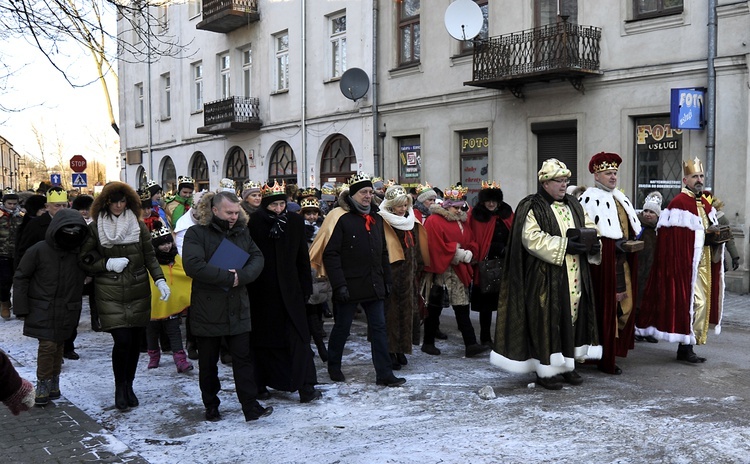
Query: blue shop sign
<point>687,108</point>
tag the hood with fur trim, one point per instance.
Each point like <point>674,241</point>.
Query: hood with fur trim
<point>449,216</point>
<point>206,215</point>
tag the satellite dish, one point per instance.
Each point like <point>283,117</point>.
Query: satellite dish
<point>354,83</point>
<point>464,19</point>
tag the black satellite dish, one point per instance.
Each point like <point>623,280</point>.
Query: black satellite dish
<point>354,84</point>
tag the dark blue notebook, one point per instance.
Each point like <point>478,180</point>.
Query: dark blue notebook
<point>229,256</point>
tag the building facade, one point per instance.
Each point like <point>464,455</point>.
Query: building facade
<point>257,94</point>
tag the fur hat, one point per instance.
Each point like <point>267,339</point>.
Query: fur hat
<point>82,203</point>
<point>653,202</point>
<point>490,192</point>
<point>604,162</point>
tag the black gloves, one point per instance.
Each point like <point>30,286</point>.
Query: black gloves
<point>735,263</point>
<point>618,245</point>
<point>341,294</point>
<point>595,248</point>
<point>387,290</point>
<point>575,247</point>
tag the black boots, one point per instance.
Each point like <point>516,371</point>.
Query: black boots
<point>125,396</point>
<point>685,353</point>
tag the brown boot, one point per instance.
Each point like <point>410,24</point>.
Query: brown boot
<point>5,310</point>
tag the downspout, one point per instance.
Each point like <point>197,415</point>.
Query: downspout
<point>148,79</point>
<point>377,157</point>
<point>302,178</point>
<point>711,96</point>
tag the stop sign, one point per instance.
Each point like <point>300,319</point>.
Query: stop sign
<point>78,163</point>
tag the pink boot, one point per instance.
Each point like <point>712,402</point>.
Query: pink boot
<point>153,358</point>
<point>180,360</point>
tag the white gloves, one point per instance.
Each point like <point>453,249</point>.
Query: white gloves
<point>117,264</point>
<point>161,284</point>
<point>462,256</point>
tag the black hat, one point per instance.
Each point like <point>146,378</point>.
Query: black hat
<point>145,196</point>
<point>82,203</point>
<point>9,194</point>
<point>161,235</point>
<point>153,188</point>
<point>490,194</point>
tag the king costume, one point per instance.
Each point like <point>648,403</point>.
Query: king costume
<point>616,221</point>
<point>685,290</point>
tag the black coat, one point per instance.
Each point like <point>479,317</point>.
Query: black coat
<point>357,258</point>
<point>32,233</point>
<point>215,312</point>
<point>48,285</point>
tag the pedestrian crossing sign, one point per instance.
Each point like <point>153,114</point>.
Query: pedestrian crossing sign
<point>79,179</point>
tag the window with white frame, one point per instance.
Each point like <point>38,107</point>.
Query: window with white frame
<point>337,31</point>
<point>224,76</point>
<point>197,94</point>
<point>194,8</point>
<point>247,72</point>
<point>139,104</point>
<point>166,96</point>
<point>282,61</point>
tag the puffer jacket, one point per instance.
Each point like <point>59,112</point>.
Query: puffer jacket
<point>214,311</point>
<point>48,284</point>
<point>9,222</point>
<point>123,299</point>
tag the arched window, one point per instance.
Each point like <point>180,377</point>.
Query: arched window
<point>168,175</point>
<point>199,171</point>
<point>338,159</point>
<point>141,178</point>
<point>283,165</point>
<point>236,166</point>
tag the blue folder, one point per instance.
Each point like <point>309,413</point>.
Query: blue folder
<point>229,256</point>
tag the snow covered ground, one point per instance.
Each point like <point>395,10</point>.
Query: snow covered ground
<point>657,411</point>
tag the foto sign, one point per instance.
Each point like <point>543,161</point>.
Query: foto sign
<point>687,108</point>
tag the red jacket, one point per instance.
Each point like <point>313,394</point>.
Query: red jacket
<point>446,232</point>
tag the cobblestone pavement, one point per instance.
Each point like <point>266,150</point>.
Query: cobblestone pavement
<point>63,433</point>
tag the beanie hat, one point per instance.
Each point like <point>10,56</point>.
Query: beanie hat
<point>359,181</point>
<point>9,194</point>
<point>153,188</point>
<point>653,202</point>
<point>185,182</point>
<point>292,207</point>
<point>145,196</point>
<point>425,192</point>
<point>82,203</point>
<point>250,187</point>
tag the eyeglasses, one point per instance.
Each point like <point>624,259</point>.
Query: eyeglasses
<point>565,180</point>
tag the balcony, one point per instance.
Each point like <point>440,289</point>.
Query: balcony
<point>561,51</point>
<point>227,15</point>
<point>234,114</point>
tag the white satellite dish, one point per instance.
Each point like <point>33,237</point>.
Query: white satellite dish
<point>464,19</point>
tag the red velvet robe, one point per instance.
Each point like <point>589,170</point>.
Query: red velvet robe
<point>483,232</point>
<point>443,236</point>
<point>667,308</point>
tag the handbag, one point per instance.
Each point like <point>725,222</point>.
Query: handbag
<point>490,271</point>
<point>438,296</point>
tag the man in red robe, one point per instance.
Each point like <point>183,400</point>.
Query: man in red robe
<point>615,278</point>
<point>685,290</point>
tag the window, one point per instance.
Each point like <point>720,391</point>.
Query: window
<point>168,175</point>
<point>283,164</point>
<point>652,8</point>
<point>197,73</point>
<point>658,158</point>
<point>558,139</point>
<point>166,98</point>
<point>139,104</point>
<point>468,45</point>
<point>199,171</point>
<point>410,161</point>
<point>282,61</point>
<point>339,160</point>
<point>474,146</point>
<point>236,166</point>
<point>247,68</point>
<point>338,45</point>
<point>224,78</point>
<point>548,12</point>
<point>408,32</point>
<point>194,8</point>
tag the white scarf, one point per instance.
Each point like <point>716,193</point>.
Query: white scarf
<point>399,222</point>
<point>118,230</point>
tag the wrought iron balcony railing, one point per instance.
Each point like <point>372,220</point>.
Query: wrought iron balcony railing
<point>227,15</point>
<point>234,114</point>
<point>556,51</point>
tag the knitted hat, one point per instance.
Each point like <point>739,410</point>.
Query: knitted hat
<point>250,187</point>
<point>227,185</point>
<point>292,207</point>
<point>653,202</point>
<point>358,181</point>
<point>425,192</point>
<point>153,188</point>
<point>552,169</point>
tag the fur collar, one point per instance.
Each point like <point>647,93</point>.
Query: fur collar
<point>205,215</point>
<point>482,214</point>
<point>601,208</point>
<point>447,215</point>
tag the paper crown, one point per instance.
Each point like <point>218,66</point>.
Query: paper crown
<point>275,189</point>
<point>490,185</point>
<point>604,161</point>
<point>308,192</point>
<point>151,183</point>
<point>162,232</point>
<point>389,183</point>
<point>421,188</point>
<point>251,185</point>
<point>329,190</point>
<point>692,166</point>
<point>359,177</point>
<point>144,195</point>
<point>8,190</point>
<point>456,193</point>
<point>394,192</point>
<point>57,196</point>
<point>185,180</point>
<point>227,185</point>
<point>310,203</point>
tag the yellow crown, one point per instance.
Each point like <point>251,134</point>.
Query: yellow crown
<point>359,177</point>
<point>163,232</point>
<point>55,196</point>
<point>455,193</point>
<point>692,166</point>
<point>144,194</point>
<point>421,188</point>
<point>308,192</point>
<point>275,189</point>
<point>250,185</point>
<point>394,192</point>
<point>490,185</point>
<point>185,180</point>
<point>309,203</point>
<point>325,190</point>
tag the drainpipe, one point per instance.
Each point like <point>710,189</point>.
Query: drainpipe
<point>148,80</point>
<point>711,96</point>
<point>302,179</point>
<point>377,156</point>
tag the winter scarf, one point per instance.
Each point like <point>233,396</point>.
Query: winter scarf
<point>405,222</point>
<point>279,223</point>
<point>118,230</point>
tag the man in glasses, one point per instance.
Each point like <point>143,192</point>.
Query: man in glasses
<point>616,277</point>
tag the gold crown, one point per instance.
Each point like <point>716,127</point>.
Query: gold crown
<point>692,166</point>
<point>389,183</point>
<point>359,177</point>
<point>325,190</point>
<point>8,191</point>
<point>309,203</point>
<point>185,180</point>
<point>421,188</point>
<point>275,189</point>
<point>250,185</point>
<point>490,185</point>
<point>455,193</point>
<point>144,194</point>
<point>308,192</point>
<point>226,184</point>
<point>55,196</point>
<point>163,232</point>
<point>394,192</point>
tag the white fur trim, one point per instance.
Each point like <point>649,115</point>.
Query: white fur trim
<point>601,208</point>
<point>686,339</point>
<point>680,218</point>
<point>561,364</point>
